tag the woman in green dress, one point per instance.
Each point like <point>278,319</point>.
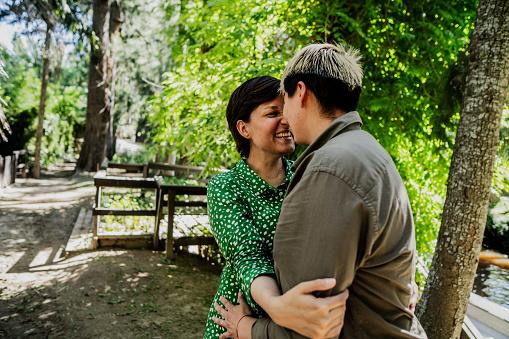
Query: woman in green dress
<point>244,205</point>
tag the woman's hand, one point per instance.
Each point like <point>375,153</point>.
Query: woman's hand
<point>233,314</point>
<point>299,310</point>
<point>414,297</point>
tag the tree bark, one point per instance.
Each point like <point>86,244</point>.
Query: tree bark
<point>443,304</point>
<point>36,170</point>
<point>117,18</point>
<point>93,150</point>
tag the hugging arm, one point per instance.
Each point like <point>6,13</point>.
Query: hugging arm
<point>318,236</point>
<point>252,264</point>
<point>237,237</point>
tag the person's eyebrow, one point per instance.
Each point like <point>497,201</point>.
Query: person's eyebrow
<point>271,107</point>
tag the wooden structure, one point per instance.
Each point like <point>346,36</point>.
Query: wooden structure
<point>146,168</point>
<point>101,180</point>
<point>13,165</point>
<point>484,319</point>
<point>165,202</point>
<point>491,319</point>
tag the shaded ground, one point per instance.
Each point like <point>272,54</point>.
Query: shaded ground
<point>108,293</point>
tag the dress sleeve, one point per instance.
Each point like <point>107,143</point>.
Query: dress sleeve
<point>236,235</point>
<point>317,236</point>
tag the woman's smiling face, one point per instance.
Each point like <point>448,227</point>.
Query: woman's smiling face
<point>267,130</point>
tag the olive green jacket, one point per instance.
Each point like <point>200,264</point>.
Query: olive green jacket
<point>347,215</point>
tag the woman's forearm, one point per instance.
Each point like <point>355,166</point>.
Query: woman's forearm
<point>244,327</point>
<point>264,291</point>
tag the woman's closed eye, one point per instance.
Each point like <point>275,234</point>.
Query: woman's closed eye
<point>274,114</point>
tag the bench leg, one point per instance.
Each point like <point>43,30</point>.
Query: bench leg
<point>159,214</point>
<point>95,241</point>
<point>171,213</point>
<point>97,220</point>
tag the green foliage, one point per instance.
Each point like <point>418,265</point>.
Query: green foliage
<point>22,126</point>
<point>414,60</point>
<point>222,45</point>
<point>65,114</point>
<point>139,157</point>
<point>496,234</point>
<point>141,57</point>
<point>65,105</point>
<point>130,200</point>
<point>20,92</point>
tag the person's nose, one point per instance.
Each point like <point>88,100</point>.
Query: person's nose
<point>284,121</point>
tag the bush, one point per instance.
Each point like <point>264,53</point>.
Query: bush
<point>496,234</point>
<point>22,126</point>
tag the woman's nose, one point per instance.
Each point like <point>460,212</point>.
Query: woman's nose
<point>283,120</point>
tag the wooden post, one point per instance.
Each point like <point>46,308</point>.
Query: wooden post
<point>15,161</point>
<point>159,214</point>
<point>145,170</point>
<point>95,240</point>
<point>2,162</point>
<point>171,213</point>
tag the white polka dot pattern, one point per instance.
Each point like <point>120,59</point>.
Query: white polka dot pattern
<point>243,211</point>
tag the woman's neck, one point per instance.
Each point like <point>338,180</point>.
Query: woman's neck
<point>269,168</point>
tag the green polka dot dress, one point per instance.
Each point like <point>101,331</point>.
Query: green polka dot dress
<point>243,211</point>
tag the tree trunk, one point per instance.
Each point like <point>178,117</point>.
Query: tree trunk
<point>117,18</point>
<point>36,170</point>
<point>93,150</point>
<point>443,304</point>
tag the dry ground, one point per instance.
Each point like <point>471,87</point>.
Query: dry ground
<point>107,293</point>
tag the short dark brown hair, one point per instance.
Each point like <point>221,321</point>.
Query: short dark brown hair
<point>244,100</point>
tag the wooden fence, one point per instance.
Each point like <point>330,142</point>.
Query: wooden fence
<point>166,197</point>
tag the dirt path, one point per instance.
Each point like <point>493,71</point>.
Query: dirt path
<point>108,293</point>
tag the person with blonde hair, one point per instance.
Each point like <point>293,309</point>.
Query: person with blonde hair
<point>346,213</point>
<point>243,207</point>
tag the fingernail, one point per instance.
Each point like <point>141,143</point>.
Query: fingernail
<point>329,281</point>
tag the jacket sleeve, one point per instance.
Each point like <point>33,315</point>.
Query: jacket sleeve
<point>236,235</point>
<point>318,235</point>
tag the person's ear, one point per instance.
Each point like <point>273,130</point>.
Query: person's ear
<point>303,93</point>
<point>242,129</point>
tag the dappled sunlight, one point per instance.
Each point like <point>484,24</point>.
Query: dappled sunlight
<point>42,257</point>
<point>8,259</point>
<point>74,261</point>
<point>47,315</point>
<point>45,191</point>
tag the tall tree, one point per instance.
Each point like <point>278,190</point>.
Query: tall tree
<point>38,11</point>
<point>443,304</point>
<point>99,96</point>
<point>36,170</point>
<point>116,20</point>
<point>47,14</point>
<point>4,125</point>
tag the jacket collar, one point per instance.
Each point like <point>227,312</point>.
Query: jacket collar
<point>349,121</point>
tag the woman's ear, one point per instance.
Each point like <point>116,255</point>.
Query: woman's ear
<point>242,129</point>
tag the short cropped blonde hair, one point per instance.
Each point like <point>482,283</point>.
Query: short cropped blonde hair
<point>331,61</point>
<point>330,71</point>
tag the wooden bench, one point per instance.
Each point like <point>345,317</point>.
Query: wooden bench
<point>21,162</point>
<point>102,180</point>
<point>166,196</point>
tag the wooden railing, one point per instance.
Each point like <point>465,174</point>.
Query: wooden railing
<point>166,196</point>
<point>146,168</point>
<point>101,181</point>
